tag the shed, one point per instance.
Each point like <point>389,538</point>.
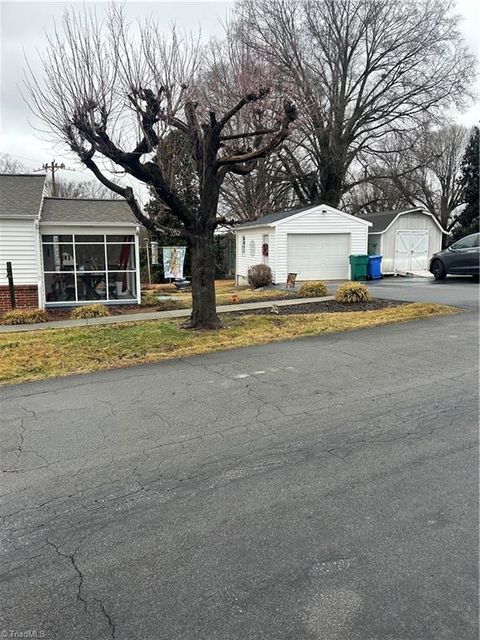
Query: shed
<point>314,242</point>
<point>406,239</point>
<point>65,252</point>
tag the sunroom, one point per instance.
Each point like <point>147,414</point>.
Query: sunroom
<point>89,251</point>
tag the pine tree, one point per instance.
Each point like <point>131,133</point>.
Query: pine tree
<point>468,221</point>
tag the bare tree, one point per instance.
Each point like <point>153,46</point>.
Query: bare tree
<point>425,174</point>
<point>266,189</point>
<point>8,164</point>
<point>90,189</point>
<point>359,71</point>
<point>111,94</point>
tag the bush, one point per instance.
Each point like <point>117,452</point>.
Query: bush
<point>89,311</point>
<point>352,292</point>
<point>313,289</point>
<point>24,316</point>
<point>149,298</point>
<point>259,275</point>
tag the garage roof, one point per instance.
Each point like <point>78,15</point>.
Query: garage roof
<point>86,211</point>
<point>384,220</point>
<point>21,194</point>
<point>272,218</point>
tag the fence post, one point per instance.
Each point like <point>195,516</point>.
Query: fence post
<point>10,284</point>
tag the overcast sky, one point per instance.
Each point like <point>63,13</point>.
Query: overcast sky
<point>23,26</point>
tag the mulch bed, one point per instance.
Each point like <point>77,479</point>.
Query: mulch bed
<point>313,307</point>
<point>329,306</point>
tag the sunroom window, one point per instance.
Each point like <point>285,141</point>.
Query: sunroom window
<point>89,268</point>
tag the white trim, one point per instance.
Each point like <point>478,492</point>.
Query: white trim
<point>47,223</point>
<point>402,213</point>
<point>137,263</point>
<point>40,277</point>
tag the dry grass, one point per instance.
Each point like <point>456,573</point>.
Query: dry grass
<point>57,352</point>
<point>226,290</point>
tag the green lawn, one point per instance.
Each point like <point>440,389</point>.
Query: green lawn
<point>42,354</point>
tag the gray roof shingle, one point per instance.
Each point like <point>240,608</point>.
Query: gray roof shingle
<point>382,220</point>
<point>80,211</point>
<point>21,194</point>
<point>270,218</point>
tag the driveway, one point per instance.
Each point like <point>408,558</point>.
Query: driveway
<point>457,291</point>
<point>325,488</point>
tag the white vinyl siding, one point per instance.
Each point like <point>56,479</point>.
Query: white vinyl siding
<point>19,245</point>
<point>314,222</point>
<point>407,222</point>
<point>318,256</point>
<point>254,240</point>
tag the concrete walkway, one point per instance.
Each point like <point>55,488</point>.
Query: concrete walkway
<point>155,315</point>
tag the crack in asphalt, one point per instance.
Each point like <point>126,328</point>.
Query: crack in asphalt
<point>80,581</point>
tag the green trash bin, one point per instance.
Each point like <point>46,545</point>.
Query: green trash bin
<point>358,267</point>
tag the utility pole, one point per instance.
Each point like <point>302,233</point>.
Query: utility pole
<point>52,166</point>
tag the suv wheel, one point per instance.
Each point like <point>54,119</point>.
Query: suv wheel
<point>438,270</point>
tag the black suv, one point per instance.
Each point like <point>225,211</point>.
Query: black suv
<point>461,258</point>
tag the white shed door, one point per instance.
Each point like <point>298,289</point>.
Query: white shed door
<point>318,256</point>
<point>411,251</point>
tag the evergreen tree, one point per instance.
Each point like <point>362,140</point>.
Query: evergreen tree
<point>468,221</point>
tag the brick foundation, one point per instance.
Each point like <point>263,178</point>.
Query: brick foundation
<point>26,297</point>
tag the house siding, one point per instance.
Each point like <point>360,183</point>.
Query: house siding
<point>243,262</point>
<point>407,222</point>
<point>317,222</point>
<point>19,245</point>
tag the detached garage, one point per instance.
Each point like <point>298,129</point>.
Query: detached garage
<point>406,239</point>
<point>314,242</point>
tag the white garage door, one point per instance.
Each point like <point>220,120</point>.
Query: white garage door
<point>319,256</point>
<point>411,251</point>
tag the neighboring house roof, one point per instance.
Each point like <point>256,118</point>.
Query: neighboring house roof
<point>21,194</point>
<point>86,211</point>
<point>384,220</point>
<point>272,219</point>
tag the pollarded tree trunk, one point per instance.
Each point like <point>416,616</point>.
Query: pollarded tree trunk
<point>204,314</point>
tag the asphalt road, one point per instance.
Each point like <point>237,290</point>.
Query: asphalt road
<point>325,488</point>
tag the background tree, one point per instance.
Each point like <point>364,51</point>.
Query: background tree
<point>91,189</point>
<point>267,188</point>
<point>114,95</point>
<point>423,174</point>
<point>468,220</point>
<point>359,71</point>
<point>8,164</point>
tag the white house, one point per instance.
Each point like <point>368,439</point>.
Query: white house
<point>314,242</point>
<point>406,239</point>
<point>65,252</point>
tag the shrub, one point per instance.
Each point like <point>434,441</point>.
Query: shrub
<point>352,292</point>
<point>90,311</point>
<point>313,289</point>
<point>259,275</point>
<point>24,316</point>
<point>149,298</point>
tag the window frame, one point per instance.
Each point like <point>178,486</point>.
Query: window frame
<point>109,274</point>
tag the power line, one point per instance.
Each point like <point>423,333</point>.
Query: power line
<point>53,166</point>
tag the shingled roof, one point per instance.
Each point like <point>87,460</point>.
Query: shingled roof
<point>381,221</point>
<point>270,218</point>
<point>85,211</point>
<point>21,194</point>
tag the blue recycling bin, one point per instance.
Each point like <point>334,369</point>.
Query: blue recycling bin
<point>374,267</point>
